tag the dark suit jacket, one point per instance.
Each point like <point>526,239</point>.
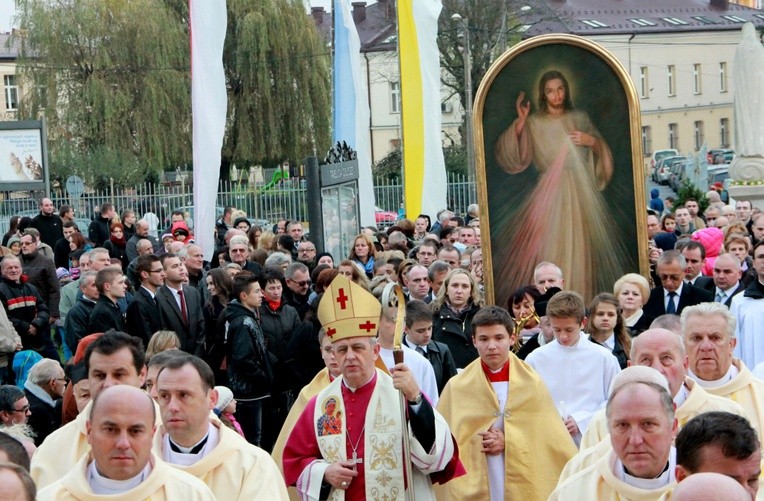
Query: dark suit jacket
<point>705,283</point>
<point>44,419</point>
<point>192,334</point>
<point>690,296</point>
<point>442,363</point>
<point>143,318</point>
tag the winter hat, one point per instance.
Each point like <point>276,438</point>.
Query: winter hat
<point>225,397</point>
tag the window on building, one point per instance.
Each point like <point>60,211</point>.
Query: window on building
<point>11,93</point>
<point>723,77</point>
<point>724,132</point>
<point>395,97</point>
<point>644,84</point>
<point>647,140</point>
<point>671,80</point>
<point>674,136</point>
<point>696,78</point>
<point>700,137</point>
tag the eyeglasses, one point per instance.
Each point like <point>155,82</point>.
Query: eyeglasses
<point>160,270</point>
<point>673,278</point>
<point>236,251</point>
<point>23,409</point>
<point>301,283</point>
<point>64,380</point>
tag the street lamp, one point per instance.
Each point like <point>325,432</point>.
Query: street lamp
<point>463,22</point>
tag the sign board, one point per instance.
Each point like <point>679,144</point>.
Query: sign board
<point>23,156</point>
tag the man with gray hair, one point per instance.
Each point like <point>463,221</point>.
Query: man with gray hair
<point>642,462</point>
<point>547,275</point>
<point>76,325</point>
<point>238,250</point>
<point>192,256</point>
<point>708,331</point>
<point>674,295</point>
<point>44,388</point>
<point>141,233</point>
<point>297,290</point>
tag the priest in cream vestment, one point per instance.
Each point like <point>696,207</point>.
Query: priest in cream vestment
<point>189,440</point>
<point>641,465</point>
<point>511,438</point>
<point>120,465</point>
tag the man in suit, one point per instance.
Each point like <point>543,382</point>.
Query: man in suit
<point>695,255</point>
<point>419,337</point>
<point>143,318</point>
<point>674,295</point>
<point>180,306</point>
<point>727,282</point>
<point>418,283</point>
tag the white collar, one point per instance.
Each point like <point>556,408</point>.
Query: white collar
<point>729,376</point>
<point>648,484</point>
<point>152,294</point>
<point>681,395</point>
<point>728,291</point>
<point>678,291</point>
<point>185,458</point>
<point>101,485</point>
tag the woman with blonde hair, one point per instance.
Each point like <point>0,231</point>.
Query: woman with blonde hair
<point>457,302</point>
<point>162,341</point>
<point>354,273</point>
<point>633,291</point>
<point>363,253</point>
<point>267,241</point>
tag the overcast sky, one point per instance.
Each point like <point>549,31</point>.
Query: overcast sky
<point>7,10</point>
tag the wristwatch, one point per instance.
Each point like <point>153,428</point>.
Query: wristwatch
<point>417,400</point>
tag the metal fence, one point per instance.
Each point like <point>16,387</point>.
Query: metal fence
<point>286,199</point>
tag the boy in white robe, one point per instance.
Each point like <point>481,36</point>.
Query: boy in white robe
<point>577,372</point>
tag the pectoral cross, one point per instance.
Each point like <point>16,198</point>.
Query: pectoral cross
<point>356,461</point>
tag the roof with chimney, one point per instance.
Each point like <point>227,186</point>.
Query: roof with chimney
<point>8,51</point>
<point>376,22</point>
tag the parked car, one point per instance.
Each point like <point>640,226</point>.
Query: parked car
<point>661,172</point>
<point>717,174</point>
<point>659,155</point>
<point>719,156</point>
<point>384,218</point>
<point>677,173</point>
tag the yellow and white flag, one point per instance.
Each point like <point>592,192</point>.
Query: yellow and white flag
<point>423,165</point>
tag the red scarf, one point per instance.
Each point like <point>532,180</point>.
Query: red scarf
<point>273,305</point>
<point>501,376</point>
<point>119,242</point>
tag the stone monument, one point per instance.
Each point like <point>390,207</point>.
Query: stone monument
<point>747,169</point>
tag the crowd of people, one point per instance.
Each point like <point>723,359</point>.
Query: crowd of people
<point>132,366</point>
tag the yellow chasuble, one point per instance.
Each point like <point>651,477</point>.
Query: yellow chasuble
<point>599,483</point>
<point>64,447</point>
<point>747,391</point>
<point>309,391</point>
<point>537,445</point>
<point>164,483</point>
<point>234,470</point>
<point>698,401</point>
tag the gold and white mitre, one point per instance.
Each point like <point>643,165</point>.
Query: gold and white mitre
<point>348,310</point>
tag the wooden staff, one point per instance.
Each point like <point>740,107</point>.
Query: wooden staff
<point>392,297</point>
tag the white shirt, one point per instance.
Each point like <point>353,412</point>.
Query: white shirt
<point>101,485</point>
<point>496,463</point>
<point>176,295</point>
<point>729,376</point>
<point>184,458</point>
<point>420,367</point>
<point>152,294</point>
<point>579,375</point>
<point>666,297</point>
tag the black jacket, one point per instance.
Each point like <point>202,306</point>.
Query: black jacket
<point>106,315</point>
<point>690,296</point>
<point>45,419</point>
<point>115,251</point>
<point>42,274</point>
<point>50,228</point>
<point>248,362</point>
<point>26,307</point>
<point>455,331</point>
<point>61,253</point>
<point>143,318</point>
<point>442,363</point>
<point>284,332</point>
<point>77,320</point>
<point>98,231</point>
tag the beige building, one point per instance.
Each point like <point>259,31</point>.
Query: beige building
<point>10,101</point>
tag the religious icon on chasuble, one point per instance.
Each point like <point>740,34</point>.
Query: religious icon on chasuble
<point>559,167</point>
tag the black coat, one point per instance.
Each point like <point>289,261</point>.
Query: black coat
<point>284,333</point>
<point>248,361</point>
<point>98,231</point>
<point>455,331</point>
<point>50,228</point>
<point>44,419</point>
<point>442,363</point>
<point>42,274</point>
<point>77,320</point>
<point>191,334</point>
<point>26,307</point>
<point>690,296</point>
<point>143,317</point>
<point>106,315</point>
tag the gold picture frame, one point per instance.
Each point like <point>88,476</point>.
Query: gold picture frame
<point>526,217</point>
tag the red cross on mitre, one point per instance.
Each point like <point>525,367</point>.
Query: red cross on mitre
<point>342,299</point>
<point>331,331</point>
<point>367,326</point>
